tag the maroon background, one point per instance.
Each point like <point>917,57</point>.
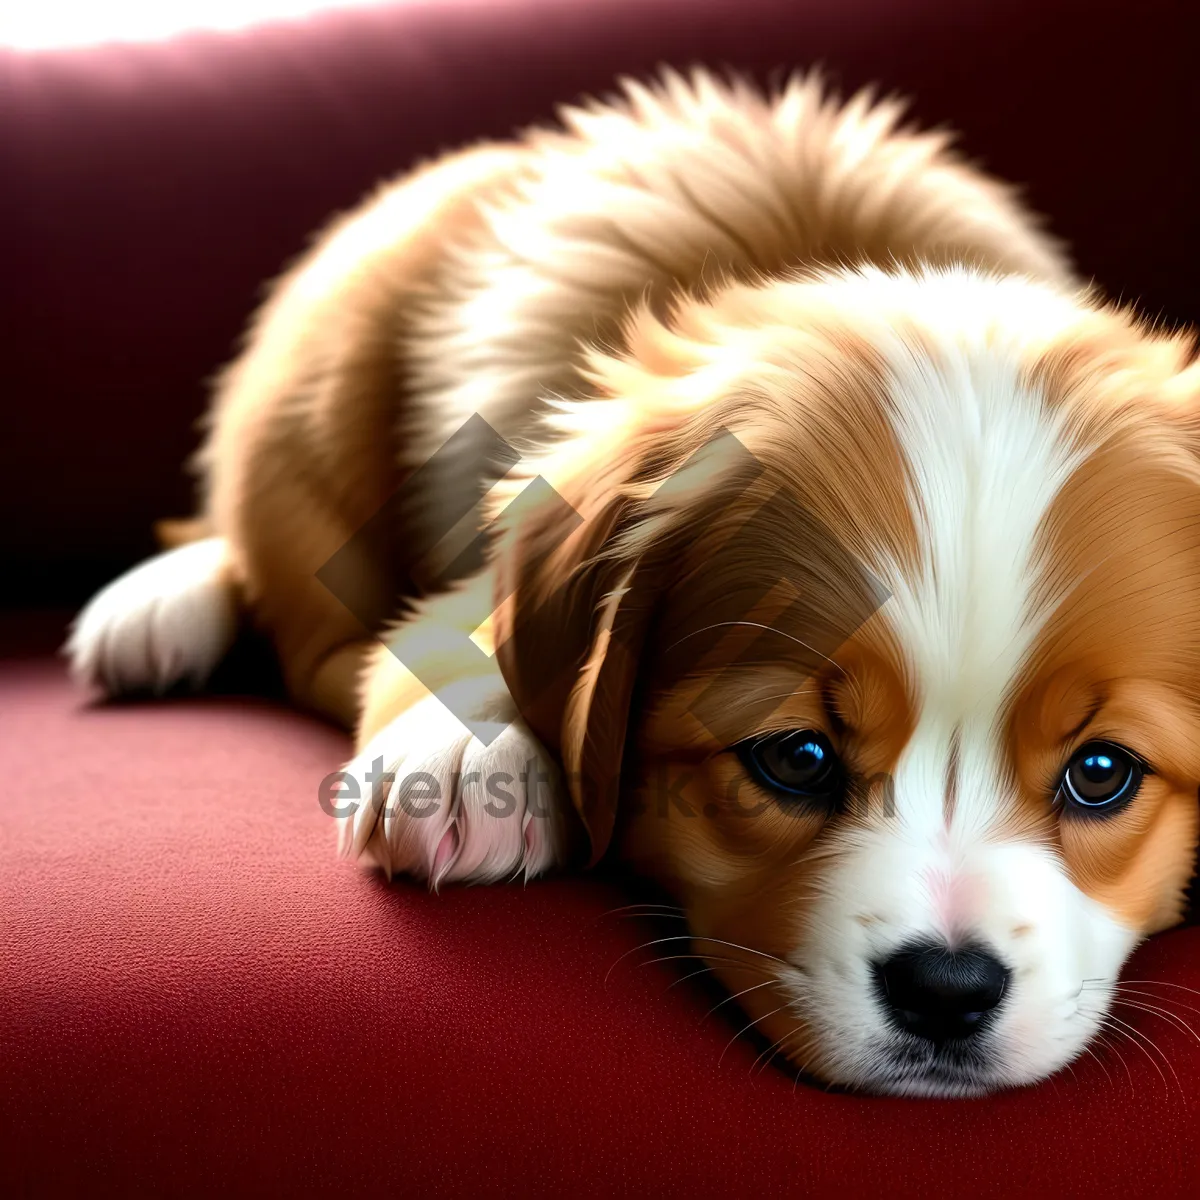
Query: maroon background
<point>193,992</point>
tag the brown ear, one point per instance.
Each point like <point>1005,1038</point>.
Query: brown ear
<point>596,718</point>
<point>574,608</point>
<point>579,581</point>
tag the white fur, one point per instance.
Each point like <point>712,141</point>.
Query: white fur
<point>1044,1021</point>
<point>450,808</point>
<point>985,459</point>
<point>689,178</point>
<point>168,622</point>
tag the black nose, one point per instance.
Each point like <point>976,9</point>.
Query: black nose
<point>939,993</point>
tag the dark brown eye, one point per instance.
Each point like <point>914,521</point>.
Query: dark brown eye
<point>799,763</point>
<point>1100,778</point>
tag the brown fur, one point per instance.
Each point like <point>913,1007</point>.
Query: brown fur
<point>315,424</point>
<point>657,283</point>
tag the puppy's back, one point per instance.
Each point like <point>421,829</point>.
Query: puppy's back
<point>683,186</point>
<point>473,286</point>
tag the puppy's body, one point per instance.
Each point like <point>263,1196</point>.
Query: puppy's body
<point>799,375</point>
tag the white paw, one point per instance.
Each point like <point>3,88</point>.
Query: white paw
<point>437,804</point>
<point>168,621</point>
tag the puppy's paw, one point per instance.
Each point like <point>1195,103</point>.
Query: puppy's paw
<point>438,804</point>
<point>167,622</point>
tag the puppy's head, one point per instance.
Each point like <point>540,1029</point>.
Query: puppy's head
<point>874,635</point>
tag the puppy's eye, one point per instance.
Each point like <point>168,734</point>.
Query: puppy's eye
<point>1101,777</point>
<point>798,763</point>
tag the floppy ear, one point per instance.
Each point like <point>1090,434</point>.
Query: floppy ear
<point>579,577</point>
<point>576,600</point>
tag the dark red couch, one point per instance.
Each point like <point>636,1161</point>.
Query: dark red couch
<point>195,995</point>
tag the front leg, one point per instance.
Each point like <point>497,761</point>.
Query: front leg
<point>437,803</point>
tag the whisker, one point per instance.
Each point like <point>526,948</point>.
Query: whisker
<point>1123,1034</point>
<point>766,1054</point>
<point>785,1046</point>
<point>1120,1057</point>
<point>741,964</point>
<point>736,995</point>
<point>644,907</point>
<point>695,937</point>
<point>1165,1014</point>
<point>1121,990</point>
<point>746,1028</point>
<point>1099,1062</point>
<point>1149,1042</point>
<point>683,937</point>
<point>656,916</point>
<point>1164,983</point>
<point>689,975</point>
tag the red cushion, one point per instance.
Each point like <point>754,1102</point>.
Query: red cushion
<point>195,994</point>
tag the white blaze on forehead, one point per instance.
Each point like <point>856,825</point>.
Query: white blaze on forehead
<point>985,458</point>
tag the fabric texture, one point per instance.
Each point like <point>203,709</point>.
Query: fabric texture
<point>195,993</point>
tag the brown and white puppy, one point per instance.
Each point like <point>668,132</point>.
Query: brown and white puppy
<point>861,563</point>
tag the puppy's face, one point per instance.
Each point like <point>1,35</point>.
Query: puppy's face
<point>892,660</point>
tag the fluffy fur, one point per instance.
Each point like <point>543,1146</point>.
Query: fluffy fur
<point>849,450</point>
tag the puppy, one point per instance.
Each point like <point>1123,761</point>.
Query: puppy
<point>742,485</point>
